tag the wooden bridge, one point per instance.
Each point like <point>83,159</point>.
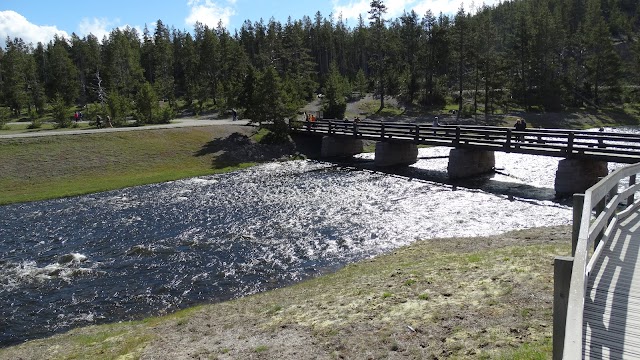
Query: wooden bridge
<point>597,298</point>
<point>590,145</point>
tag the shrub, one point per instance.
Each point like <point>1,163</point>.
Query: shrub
<point>61,113</point>
<point>4,116</point>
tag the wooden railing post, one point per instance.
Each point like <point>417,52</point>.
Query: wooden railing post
<point>599,209</point>
<point>330,127</point>
<point>570,143</point>
<point>562,268</point>
<point>355,129</point>
<point>631,198</point>
<point>578,203</point>
<point>507,144</point>
<point>457,141</point>
<point>382,130</point>
<point>417,134</point>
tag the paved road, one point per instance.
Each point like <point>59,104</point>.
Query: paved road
<point>176,123</point>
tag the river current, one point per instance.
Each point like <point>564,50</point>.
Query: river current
<point>153,249</point>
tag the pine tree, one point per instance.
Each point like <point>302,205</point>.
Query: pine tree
<point>122,66</point>
<point>377,22</point>
<point>334,91</point>
<point>146,104</point>
<point>63,74</point>
<point>603,63</point>
<point>360,83</point>
<point>461,42</point>
<point>410,37</point>
<point>14,81</point>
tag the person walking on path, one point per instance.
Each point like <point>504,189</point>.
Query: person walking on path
<point>235,114</point>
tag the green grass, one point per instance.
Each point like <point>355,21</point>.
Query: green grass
<point>60,166</point>
<point>261,348</point>
<point>257,137</point>
<point>373,107</point>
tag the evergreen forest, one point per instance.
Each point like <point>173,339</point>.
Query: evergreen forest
<point>532,55</point>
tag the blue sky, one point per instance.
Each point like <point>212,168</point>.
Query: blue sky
<point>39,20</point>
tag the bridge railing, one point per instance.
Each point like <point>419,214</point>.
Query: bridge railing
<point>551,142</point>
<point>596,215</point>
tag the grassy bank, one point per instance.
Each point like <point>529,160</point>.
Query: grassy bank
<point>475,298</point>
<point>58,166</point>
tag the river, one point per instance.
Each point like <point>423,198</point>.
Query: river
<point>153,249</point>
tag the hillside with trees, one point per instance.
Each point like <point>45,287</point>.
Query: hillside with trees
<point>533,55</point>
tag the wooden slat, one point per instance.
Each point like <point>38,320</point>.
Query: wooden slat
<point>612,308</point>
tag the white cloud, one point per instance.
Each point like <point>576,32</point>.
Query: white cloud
<point>101,27</point>
<point>397,7</point>
<point>352,10</point>
<point>209,12</point>
<point>98,27</point>
<point>15,25</point>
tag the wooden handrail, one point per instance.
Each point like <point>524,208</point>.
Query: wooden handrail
<point>601,146</point>
<point>589,230</point>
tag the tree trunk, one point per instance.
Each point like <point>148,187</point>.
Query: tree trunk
<point>486,92</point>
<point>460,82</point>
<point>475,95</point>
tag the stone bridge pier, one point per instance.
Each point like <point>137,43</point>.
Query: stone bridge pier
<point>576,176</point>
<point>395,153</point>
<point>466,163</point>
<point>333,146</point>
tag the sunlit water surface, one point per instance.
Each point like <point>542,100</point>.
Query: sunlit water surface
<point>151,249</point>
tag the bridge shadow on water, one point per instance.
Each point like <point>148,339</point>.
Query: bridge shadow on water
<point>512,190</point>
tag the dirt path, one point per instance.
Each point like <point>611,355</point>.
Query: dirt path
<point>177,123</point>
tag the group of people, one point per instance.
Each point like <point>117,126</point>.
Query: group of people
<point>309,117</point>
<point>99,123</point>
<point>78,116</point>
<point>520,125</point>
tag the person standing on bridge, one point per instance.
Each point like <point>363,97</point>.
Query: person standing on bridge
<point>436,123</point>
<point>519,127</point>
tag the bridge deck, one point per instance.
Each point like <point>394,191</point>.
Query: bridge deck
<point>599,146</point>
<point>612,307</point>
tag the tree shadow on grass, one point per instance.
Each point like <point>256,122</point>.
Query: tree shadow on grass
<point>237,149</point>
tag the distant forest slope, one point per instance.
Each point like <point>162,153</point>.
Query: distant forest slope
<point>540,55</point>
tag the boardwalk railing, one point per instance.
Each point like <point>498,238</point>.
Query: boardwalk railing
<point>605,146</point>
<point>603,206</point>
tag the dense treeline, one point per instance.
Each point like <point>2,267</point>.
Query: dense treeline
<point>534,54</point>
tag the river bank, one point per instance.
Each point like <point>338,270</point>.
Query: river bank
<point>49,167</point>
<point>483,297</point>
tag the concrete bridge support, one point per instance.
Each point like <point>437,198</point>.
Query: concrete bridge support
<point>395,153</point>
<point>466,163</point>
<point>340,146</point>
<point>576,176</point>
